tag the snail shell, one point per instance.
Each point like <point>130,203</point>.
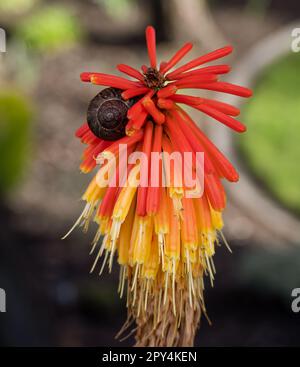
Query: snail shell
<point>107,114</point>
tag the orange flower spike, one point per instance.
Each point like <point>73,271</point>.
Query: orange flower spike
<point>165,241</point>
<point>217,54</point>
<point>177,57</point>
<point>189,233</point>
<point>145,169</point>
<point>153,192</point>
<point>151,45</point>
<point>150,107</point>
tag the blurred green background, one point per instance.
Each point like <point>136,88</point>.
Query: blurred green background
<point>51,298</point>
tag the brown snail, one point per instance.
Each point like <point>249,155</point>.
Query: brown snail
<point>107,114</point>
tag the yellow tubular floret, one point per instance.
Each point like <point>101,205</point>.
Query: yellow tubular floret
<point>189,231</point>
<point>151,265</point>
<point>125,234</point>
<point>144,238</point>
<point>125,198</point>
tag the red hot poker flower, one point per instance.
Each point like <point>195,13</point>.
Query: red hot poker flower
<point>164,240</point>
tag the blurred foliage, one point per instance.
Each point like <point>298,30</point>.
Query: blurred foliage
<point>49,29</point>
<point>117,8</point>
<point>258,7</point>
<point>16,6</point>
<point>15,118</point>
<point>271,145</point>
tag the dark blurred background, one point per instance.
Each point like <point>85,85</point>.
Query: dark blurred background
<point>51,298</point>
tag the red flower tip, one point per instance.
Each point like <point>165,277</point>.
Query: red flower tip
<point>85,77</point>
<point>151,45</point>
<point>126,69</point>
<point>177,57</point>
<point>167,91</point>
<point>150,107</point>
<point>214,55</point>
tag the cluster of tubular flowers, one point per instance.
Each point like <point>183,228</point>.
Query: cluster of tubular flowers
<point>164,241</point>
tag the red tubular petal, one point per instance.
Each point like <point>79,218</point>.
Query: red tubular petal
<point>189,100</point>
<point>162,65</point>
<point>137,123</point>
<point>113,81</point>
<point>191,80</point>
<point>194,101</point>
<point>129,140</point>
<point>126,69</point>
<point>144,68</point>
<point>225,167</point>
<point>137,108</point>
<point>227,88</point>
<point>165,104</point>
<point>142,191</point>
<point>167,91</point>
<point>89,138</point>
<point>86,77</point>
<point>220,116</point>
<point>177,57</point>
<point>217,54</point>
<point>151,45</point>
<point>82,130</point>
<point>215,69</point>
<point>152,204</point>
<point>133,92</point>
<point>150,107</point>
<point>178,140</point>
<point>221,106</point>
<point>107,204</point>
<point>214,191</point>
<point>194,142</point>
